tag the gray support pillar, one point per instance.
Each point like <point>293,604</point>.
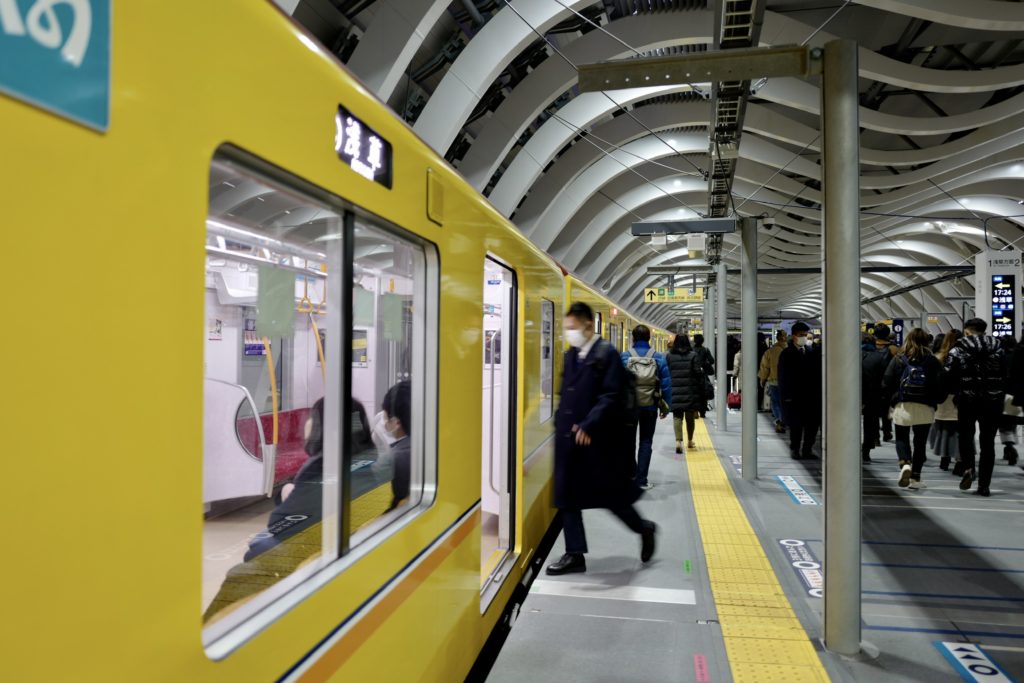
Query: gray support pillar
<point>841,254</point>
<point>748,369</point>
<point>721,355</point>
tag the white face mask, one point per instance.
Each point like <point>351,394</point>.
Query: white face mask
<point>801,341</point>
<point>576,338</point>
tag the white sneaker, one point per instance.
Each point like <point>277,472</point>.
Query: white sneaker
<point>917,484</point>
<point>648,486</point>
<point>904,476</point>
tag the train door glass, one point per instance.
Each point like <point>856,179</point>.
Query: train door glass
<point>547,360</point>
<point>499,411</point>
<point>599,324</point>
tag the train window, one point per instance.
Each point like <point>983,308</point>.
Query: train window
<point>388,327</point>
<point>547,359</point>
<point>269,483</point>
<point>304,456</point>
<point>599,324</point>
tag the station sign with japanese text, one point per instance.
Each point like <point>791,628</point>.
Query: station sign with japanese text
<point>1004,313</point>
<point>668,295</point>
<point>358,145</point>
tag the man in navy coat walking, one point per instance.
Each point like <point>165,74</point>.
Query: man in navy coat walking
<point>594,466</point>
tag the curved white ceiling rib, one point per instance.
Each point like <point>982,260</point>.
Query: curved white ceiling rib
<point>579,114</point>
<point>562,201</point>
<point>806,97</point>
<point>391,42</point>
<point>978,14</point>
<point>784,30</point>
<point>576,201</point>
<point>490,51</point>
<point>554,76</point>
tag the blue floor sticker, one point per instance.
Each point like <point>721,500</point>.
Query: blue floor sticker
<point>795,490</point>
<point>972,662</point>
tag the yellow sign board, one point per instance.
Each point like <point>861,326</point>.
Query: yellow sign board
<point>666,295</point>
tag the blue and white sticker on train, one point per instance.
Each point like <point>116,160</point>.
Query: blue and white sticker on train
<point>55,54</point>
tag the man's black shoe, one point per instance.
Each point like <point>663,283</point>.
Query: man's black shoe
<point>571,563</point>
<point>865,457</point>
<point>809,455</point>
<point>794,454</point>
<point>647,542</point>
<point>983,492</point>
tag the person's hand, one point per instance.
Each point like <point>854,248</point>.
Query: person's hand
<point>664,415</point>
<point>286,491</point>
<point>582,438</point>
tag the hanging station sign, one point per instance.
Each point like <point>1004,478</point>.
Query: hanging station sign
<point>667,295</point>
<point>359,146</point>
<point>1004,312</point>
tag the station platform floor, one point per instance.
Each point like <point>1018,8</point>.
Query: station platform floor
<point>733,593</point>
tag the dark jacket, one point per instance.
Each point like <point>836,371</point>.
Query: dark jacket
<point>932,376</point>
<point>688,377</point>
<point>873,364</point>
<point>976,372</point>
<point>1015,383</point>
<point>401,451</point>
<point>707,361</point>
<point>641,349</point>
<point>592,396</point>
<point>800,385</point>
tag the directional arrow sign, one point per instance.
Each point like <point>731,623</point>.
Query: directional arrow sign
<point>1003,285</point>
<point>665,295</point>
<point>1003,320</point>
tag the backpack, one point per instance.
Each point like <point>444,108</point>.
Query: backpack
<point>645,372</point>
<point>913,383</point>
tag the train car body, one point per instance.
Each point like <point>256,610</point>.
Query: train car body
<point>294,328</point>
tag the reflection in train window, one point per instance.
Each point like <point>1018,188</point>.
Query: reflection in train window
<point>291,482</point>
<point>387,342</point>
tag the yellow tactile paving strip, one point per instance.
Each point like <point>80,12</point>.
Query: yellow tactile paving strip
<point>763,637</point>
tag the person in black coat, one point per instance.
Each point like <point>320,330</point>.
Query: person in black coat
<point>594,466</point>
<point>873,364</point>
<point>800,391</point>
<point>689,398</point>
<point>976,372</point>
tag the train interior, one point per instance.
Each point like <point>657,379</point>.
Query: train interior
<point>497,485</point>
<point>272,479</point>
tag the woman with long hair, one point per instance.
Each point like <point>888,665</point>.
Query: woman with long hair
<point>912,382</point>
<point>944,435</point>
<point>689,399</point>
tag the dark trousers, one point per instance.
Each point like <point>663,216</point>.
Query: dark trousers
<point>576,536</point>
<point>886,424</point>
<point>872,414</point>
<point>920,452</point>
<point>687,416</point>
<point>802,435</point>
<point>647,421</point>
<point>987,420</point>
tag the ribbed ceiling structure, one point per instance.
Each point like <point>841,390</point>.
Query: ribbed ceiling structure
<point>491,84</point>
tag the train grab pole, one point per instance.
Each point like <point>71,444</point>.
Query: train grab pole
<point>748,339</point>
<point>841,318</point>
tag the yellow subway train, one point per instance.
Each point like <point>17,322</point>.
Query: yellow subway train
<point>280,385</point>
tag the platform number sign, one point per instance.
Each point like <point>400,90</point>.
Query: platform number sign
<point>362,148</point>
<point>1004,315</point>
<point>55,54</point>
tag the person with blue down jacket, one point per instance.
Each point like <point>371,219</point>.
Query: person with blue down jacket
<point>594,431</point>
<point>913,383</point>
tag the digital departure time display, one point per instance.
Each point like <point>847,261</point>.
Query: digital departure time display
<point>1004,314</point>
<point>358,145</point>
